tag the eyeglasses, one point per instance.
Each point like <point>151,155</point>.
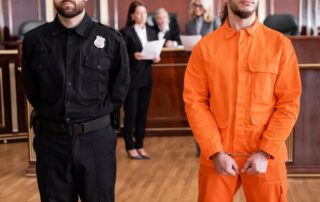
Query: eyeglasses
<point>197,5</point>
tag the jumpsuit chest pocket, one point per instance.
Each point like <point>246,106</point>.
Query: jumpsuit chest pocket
<point>263,80</point>
<point>95,76</point>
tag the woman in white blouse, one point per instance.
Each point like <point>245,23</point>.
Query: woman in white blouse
<point>136,34</point>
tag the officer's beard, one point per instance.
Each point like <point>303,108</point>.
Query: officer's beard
<point>70,13</point>
<point>243,14</point>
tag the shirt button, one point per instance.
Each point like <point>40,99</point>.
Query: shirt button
<point>69,83</point>
<point>99,67</point>
<point>67,119</point>
<point>68,103</point>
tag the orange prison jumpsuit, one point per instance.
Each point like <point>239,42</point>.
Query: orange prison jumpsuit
<point>242,93</point>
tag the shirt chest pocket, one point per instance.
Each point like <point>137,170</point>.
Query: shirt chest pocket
<point>49,76</point>
<point>95,76</point>
<point>43,58</point>
<point>42,61</point>
<point>47,67</point>
<point>263,80</point>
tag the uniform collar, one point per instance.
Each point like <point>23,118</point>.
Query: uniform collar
<point>251,30</point>
<point>82,29</point>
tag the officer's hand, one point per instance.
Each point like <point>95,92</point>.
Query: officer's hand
<point>138,55</point>
<point>224,164</point>
<point>257,163</point>
<point>156,59</point>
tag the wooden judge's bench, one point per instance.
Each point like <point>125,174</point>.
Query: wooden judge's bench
<point>166,115</point>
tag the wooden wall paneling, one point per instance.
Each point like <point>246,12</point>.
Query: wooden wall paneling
<point>6,25</point>
<point>123,6</point>
<point>217,7</point>
<point>2,23</point>
<point>23,10</point>
<point>16,11</point>
<point>42,10</point>
<point>92,8</point>
<point>269,6</point>
<point>182,8</point>
<point>179,7</point>
<point>287,7</point>
<point>113,13</point>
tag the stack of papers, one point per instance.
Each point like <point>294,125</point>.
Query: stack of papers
<point>152,49</point>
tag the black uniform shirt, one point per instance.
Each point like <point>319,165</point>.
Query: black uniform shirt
<point>71,75</point>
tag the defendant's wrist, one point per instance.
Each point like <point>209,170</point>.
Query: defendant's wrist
<point>268,156</point>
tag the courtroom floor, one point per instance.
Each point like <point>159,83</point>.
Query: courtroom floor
<point>170,176</point>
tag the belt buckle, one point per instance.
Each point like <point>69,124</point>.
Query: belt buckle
<point>75,129</point>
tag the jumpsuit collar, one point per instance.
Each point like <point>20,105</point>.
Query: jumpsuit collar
<point>251,30</point>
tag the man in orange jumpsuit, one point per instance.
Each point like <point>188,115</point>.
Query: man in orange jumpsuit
<point>242,94</point>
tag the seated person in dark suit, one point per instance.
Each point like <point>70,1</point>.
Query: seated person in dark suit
<point>202,21</point>
<point>167,29</point>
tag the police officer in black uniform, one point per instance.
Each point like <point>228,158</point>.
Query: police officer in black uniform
<point>75,74</point>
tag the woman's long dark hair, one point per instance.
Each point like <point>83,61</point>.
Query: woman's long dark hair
<point>132,9</point>
<point>224,13</point>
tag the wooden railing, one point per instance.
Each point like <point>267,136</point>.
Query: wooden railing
<point>13,123</point>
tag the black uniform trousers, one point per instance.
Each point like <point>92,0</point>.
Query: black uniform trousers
<point>136,111</point>
<point>71,166</point>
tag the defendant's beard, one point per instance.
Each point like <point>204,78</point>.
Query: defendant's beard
<point>240,13</point>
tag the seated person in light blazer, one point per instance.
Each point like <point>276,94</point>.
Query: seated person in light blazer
<point>202,21</point>
<point>166,29</point>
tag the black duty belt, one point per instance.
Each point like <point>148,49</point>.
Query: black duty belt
<point>80,128</point>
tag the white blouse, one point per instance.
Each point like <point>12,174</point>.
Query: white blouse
<point>142,34</point>
<point>163,32</point>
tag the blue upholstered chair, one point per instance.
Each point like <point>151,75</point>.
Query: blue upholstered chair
<point>27,26</point>
<point>283,23</point>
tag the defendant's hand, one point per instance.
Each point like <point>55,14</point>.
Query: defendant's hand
<point>225,164</point>
<point>256,163</point>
